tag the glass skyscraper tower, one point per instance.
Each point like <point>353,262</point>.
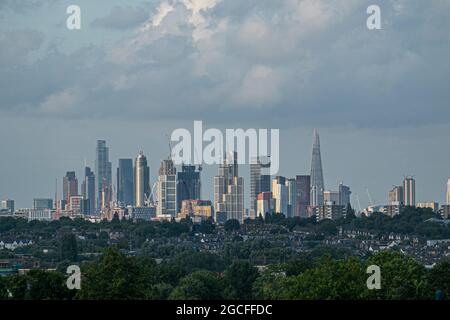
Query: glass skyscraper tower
<point>103,173</point>
<point>317,184</point>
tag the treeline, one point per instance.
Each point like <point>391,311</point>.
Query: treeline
<point>203,276</point>
<point>412,221</point>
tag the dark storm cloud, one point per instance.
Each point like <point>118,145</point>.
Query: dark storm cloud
<point>293,62</point>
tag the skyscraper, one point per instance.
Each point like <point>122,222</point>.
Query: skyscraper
<point>166,189</point>
<point>409,189</point>
<point>229,190</point>
<point>291,185</point>
<point>88,191</point>
<point>259,179</point>
<point>303,195</point>
<point>42,203</point>
<point>344,195</point>
<point>447,198</point>
<point>70,186</point>
<point>103,172</point>
<point>331,197</point>
<point>7,204</point>
<point>125,182</point>
<point>396,196</point>
<point>280,195</point>
<point>188,185</point>
<point>141,180</point>
<point>317,184</point>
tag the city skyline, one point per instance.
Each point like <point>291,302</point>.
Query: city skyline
<point>290,198</point>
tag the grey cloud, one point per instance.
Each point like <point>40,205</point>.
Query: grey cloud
<point>23,6</point>
<point>305,62</point>
<point>122,17</point>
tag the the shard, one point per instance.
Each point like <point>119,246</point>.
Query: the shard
<point>317,185</point>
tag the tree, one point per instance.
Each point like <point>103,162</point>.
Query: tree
<point>298,266</point>
<point>47,285</point>
<point>3,289</point>
<point>112,277</point>
<point>69,249</point>
<point>17,286</point>
<point>206,226</point>
<point>330,280</point>
<point>200,285</point>
<point>232,225</point>
<point>350,213</point>
<point>402,277</point>
<point>239,279</point>
<point>439,279</point>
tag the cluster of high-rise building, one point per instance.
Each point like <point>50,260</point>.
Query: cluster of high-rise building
<point>177,194</point>
<point>404,195</point>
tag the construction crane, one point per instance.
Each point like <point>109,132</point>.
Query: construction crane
<point>152,199</point>
<point>370,198</point>
<point>359,202</point>
<point>170,146</point>
<point>200,168</point>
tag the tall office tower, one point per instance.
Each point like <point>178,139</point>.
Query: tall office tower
<point>344,195</point>
<point>88,191</point>
<point>125,182</point>
<point>8,204</point>
<point>259,179</point>
<point>447,198</point>
<point>331,197</point>
<point>103,172</point>
<point>166,189</point>
<point>280,195</point>
<point>291,185</point>
<point>41,204</point>
<point>70,186</point>
<point>396,196</point>
<point>188,185</point>
<point>229,190</point>
<point>409,188</point>
<point>317,185</point>
<point>141,180</point>
<point>303,195</point>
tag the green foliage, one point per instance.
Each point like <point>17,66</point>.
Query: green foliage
<point>402,277</point>
<point>192,261</point>
<point>439,278</point>
<point>45,285</point>
<point>200,285</point>
<point>330,280</point>
<point>206,227</point>
<point>38,285</point>
<point>17,286</point>
<point>112,277</point>
<point>298,266</point>
<point>239,279</point>
<point>412,221</point>
<point>69,249</point>
<point>3,289</point>
<point>232,225</point>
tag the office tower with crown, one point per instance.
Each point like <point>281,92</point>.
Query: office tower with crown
<point>141,181</point>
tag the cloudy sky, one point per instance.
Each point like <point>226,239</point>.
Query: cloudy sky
<point>137,70</point>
